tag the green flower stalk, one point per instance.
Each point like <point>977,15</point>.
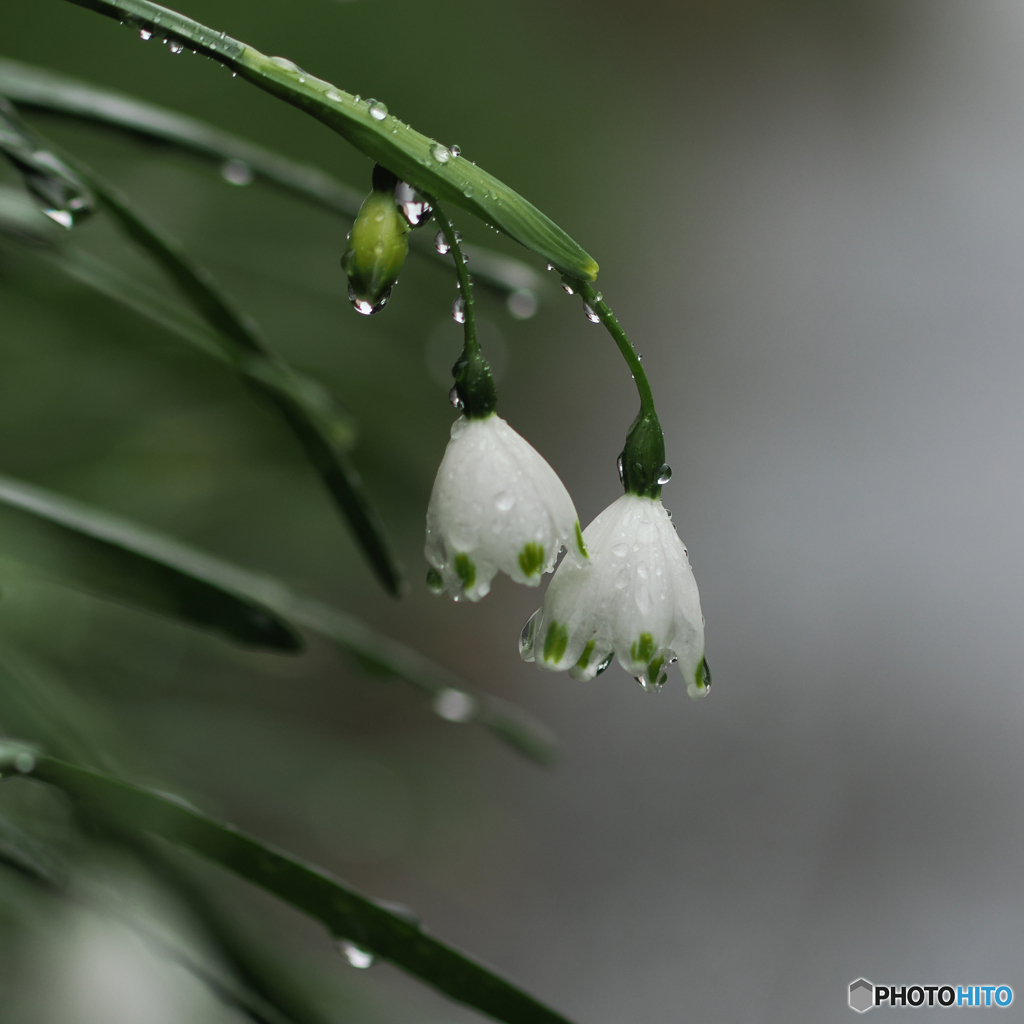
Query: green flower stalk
<point>377,246</point>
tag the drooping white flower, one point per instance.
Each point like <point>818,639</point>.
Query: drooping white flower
<point>636,600</point>
<point>496,505</point>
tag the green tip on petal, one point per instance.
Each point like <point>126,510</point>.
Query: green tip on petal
<point>643,649</point>
<point>585,656</point>
<point>555,642</point>
<point>531,559</point>
<point>465,570</point>
<point>579,541</point>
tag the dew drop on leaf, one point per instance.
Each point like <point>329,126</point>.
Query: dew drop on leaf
<point>455,151</point>
<point>236,172</point>
<point>378,110</point>
<point>440,153</point>
<point>145,34</point>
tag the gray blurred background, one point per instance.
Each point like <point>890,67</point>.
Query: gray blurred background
<point>809,217</point>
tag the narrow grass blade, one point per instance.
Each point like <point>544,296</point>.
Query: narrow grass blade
<point>119,560</point>
<point>238,335</point>
<point>421,161</point>
<point>50,91</point>
<point>345,913</point>
<point>131,563</point>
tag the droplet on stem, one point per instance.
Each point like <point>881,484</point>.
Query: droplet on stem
<point>456,401</point>
<point>145,34</point>
<point>456,151</point>
<point>378,110</point>
<point>356,955</point>
<point>567,288</point>
<point>459,310</point>
<point>440,153</point>
<point>441,244</point>
<point>590,314</point>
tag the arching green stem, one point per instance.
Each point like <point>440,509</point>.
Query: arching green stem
<point>643,458</point>
<point>474,384</point>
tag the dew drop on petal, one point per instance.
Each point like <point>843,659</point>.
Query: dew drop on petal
<point>664,474</point>
<point>440,153</point>
<point>504,501</point>
<point>454,705</point>
<point>604,664</point>
<point>620,550</point>
<point>441,244</point>
<point>356,955</point>
<point>526,637</point>
<point>236,172</point>
<point>459,310</point>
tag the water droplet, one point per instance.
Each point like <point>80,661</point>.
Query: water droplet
<point>664,475</point>
<point>526,637</point>
<point>620,550</point>
<point>620,466</point>
<point>284,62</point>
<point>356,955</point>
<point>549,266</point>
<point>604,664</point>
<point>236,172</point>
<point>453,397</point>
<point>174,46</point>
<point>334,96</point>
<point>413,207</point>
<point>459,310</point>
<point>25,762</point>
<point>468,191</point>
<point>567,288</point>
<point>504,501</point>
<point>454,705</point>
<point>522,303</point>
<point>365,307</point>
<point>378,110</point>
<point>302,79</point>
<point>440,153</point>
<point>456,151</point>
<point>589,313</point>
<point>441,244</point>
<point>145,34</point>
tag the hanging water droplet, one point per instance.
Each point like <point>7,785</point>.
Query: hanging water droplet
<point>604,664</point>
<point>589,313</point>
<point>334,96</point>
<point>145,34</point>
<point>413,207</point>
<point>549,266</point>
<point>522,303</point>
<point>454,705</point>
<point>456,401</point>
<point>364,307</point>
<point>459,310</point>
<point>440,153</point>
<point>356,955</point>
<point>526,638</point>
<point>378,110</point>
<point>236,172</point>
<point>441,244</point>
<point>665,474</point>
<point>174,46</point>
<point>567,288</point>
<point>620,466</point>
<point>456,151</point>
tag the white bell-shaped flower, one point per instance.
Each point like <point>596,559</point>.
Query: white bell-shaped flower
<point>496,505</point>
<point>636,600</point>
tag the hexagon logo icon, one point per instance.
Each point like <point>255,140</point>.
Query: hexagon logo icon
<point>862,995</point>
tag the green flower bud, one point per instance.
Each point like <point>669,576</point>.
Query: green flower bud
<point>377,246</point>
<point>642,468</point>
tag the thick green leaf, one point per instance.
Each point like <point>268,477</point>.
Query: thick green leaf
<point>47,90</point>
<point>423,162</point>
<point>345,913</point>
<point>119,560</point>
<point>128,562</point>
